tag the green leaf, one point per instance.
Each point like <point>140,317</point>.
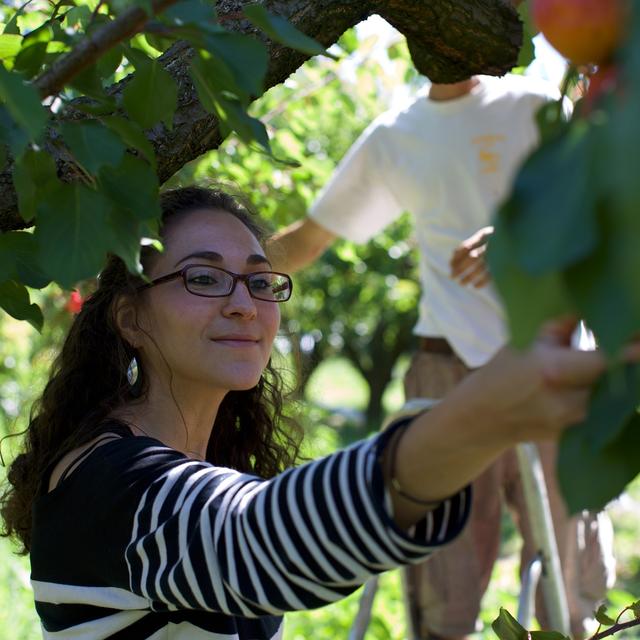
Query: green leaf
<point>529,300</point>
<point>73,234</point>
<point>11,134</point>
<point>189,12</point>
<point>78,17</point>
<point>134,193</point>
<point>30,59</point>
<point>127,232</point>
<point>33,171</point>
<point>19,259</point>
<point>15,300</point>
<point>589,479</point>
<point>282,31</point>
<point>159,43</point>
<point>42,33</point>
<point>132,135</point>
<point>555,226</point>
<point>96,107</point>
<point>93,145</point>
<point>548,635</point>
<point>23,103</point>
<point>635,607</point>
<point>245,57</point>
<point>551,120</point>
<point>607,280</point>
<point>89,83</point>
<point>613,402</point>
<point>138,58</point>
<point>132,186</point>
<point>152,95</point>
<point>209,76</point>
<point>234,116</point>
<point>109,62</point>
<point>12,26</point>
<point>10,44</point>
<point>602,617</point>
<point>507,627</point>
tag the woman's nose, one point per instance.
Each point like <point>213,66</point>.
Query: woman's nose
<point>240,302</point>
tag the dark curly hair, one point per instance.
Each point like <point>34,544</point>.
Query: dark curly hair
<point>88,381</point>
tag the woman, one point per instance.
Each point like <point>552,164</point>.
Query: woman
<point>142,494</point>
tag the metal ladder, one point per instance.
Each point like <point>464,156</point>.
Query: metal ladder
<point>544,567</point>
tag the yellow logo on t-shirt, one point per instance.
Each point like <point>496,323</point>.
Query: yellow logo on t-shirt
<point>487,154</point>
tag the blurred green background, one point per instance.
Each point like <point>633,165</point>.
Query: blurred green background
<point>346,334</point>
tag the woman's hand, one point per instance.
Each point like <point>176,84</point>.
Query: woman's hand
<point>518,396</point>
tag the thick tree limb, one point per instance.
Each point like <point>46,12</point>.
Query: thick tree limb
<point>449,39</point>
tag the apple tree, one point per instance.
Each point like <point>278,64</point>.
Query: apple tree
<point>566,238</point>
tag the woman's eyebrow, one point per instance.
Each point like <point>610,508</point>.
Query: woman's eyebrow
<point>214,256</point>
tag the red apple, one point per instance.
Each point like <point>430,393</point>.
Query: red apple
<point>584,31</point>
<point>74,303</point>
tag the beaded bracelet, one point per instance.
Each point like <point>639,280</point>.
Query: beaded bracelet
<point>395,439</point>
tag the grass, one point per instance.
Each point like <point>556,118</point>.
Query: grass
<point>337,385</point>
<point>18,620</point>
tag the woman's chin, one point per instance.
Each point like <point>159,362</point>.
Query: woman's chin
<point>242,382</point>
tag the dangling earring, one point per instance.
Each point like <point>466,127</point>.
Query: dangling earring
<point>133,372</point>
<point>134,377</point>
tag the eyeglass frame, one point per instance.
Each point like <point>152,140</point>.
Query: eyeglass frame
<point>235,276</point>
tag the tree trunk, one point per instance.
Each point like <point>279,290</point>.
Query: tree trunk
<point>449,40</point>
<point>378,378</point>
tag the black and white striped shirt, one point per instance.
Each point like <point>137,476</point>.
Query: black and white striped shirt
<point>143,542</point>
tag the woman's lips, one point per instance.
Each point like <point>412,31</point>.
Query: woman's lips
<point>236,341</point>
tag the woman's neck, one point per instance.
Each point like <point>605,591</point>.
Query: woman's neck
<point>181,421</point>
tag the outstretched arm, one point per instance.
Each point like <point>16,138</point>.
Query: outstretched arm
<point>298,245</point>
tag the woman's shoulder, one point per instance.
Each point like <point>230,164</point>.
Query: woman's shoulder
<point>115,447</point>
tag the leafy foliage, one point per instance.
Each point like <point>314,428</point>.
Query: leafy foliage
<point>566,242</point>
<point>85,175</point>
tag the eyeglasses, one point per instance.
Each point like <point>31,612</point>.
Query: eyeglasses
<point>214,282</point>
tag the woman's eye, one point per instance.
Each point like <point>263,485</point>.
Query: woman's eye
<point>203,279</point>
<point>260,284</point>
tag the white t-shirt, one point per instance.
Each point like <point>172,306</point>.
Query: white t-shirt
<point>449,164</point>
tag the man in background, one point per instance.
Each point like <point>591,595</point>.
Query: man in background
<point>449,158</point>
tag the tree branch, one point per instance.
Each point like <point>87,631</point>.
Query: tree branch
<point>450,40</point>
<point>615,629</point>
<point>126,25</point>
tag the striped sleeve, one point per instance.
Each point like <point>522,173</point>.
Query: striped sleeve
<point>210,538</point>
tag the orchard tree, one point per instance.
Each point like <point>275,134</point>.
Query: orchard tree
<point>566,239</point>
<point>101,102</point>
<point>566,243</point>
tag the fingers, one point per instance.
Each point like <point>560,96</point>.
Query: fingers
<point>471,269</point>
<point>558,331</point>
<point>564,367</point>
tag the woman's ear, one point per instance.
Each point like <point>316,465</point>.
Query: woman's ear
<point>126,320</point>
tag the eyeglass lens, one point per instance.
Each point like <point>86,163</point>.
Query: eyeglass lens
<point>210,281</point>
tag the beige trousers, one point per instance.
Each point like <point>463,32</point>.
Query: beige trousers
<point>444,593</point>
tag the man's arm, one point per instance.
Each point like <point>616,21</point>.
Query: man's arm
<point>467,262</point>
<point>298,245</point>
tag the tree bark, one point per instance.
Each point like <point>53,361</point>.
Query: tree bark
<point>450,40</point>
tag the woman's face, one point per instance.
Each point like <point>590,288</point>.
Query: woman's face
<point>212,343</point>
